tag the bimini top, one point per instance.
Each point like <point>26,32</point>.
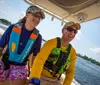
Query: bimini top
<point>71,10</point>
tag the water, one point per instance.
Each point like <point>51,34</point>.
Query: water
<point>3,27</point>
<point>87,73</point>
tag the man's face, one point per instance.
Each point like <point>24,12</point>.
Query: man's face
<point>68,33</point>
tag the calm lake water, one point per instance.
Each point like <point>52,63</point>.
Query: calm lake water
<point>87,73</point>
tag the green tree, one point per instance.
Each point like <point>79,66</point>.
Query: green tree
<point>5,22</point>
<point>88,59</point>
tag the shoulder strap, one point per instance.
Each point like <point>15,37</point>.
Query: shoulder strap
<point>67,54</point>
<point>68,49</point>
<point>58,42</point>
<point>64,58</point>
<point>36,32</point>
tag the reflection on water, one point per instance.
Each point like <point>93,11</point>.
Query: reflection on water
<point>87,73</point>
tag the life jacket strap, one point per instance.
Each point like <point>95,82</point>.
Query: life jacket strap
<point>33,35</point>
<point>58,42</point>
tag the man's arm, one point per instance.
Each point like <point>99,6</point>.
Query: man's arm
<point>71,70</point>
<point>41,58</point>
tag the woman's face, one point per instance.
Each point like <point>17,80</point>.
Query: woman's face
<point>32,20</point>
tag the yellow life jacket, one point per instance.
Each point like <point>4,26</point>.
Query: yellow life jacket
<point>58,60</point>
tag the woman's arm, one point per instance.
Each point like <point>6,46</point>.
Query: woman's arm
<point>5,37</point>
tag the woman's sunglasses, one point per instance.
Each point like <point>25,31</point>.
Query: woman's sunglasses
<point>70,29</point>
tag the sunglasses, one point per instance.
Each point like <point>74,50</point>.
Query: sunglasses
<point>70,29</point>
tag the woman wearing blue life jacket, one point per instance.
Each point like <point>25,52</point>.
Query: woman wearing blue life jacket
<point>22,40</point>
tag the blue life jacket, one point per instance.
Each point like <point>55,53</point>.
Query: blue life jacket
<point>14,42</point>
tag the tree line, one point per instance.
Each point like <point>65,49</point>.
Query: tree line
<point>5,22</point>
<point>89,59</point>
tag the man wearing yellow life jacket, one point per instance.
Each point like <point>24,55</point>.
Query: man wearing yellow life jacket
<point>56,57</point>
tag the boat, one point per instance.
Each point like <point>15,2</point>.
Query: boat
<point>80,11</point>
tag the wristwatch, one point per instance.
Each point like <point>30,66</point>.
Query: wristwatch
<point>34,81</point>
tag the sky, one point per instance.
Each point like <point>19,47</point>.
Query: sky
<point>86,42</point>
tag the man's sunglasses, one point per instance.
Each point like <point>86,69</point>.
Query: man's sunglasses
<point>70,29</point>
